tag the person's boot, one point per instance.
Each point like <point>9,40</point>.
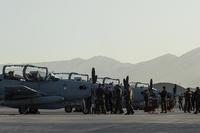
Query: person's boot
<point>121,112</point>
<point>132,112</point>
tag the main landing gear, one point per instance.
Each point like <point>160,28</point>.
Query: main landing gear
<point>28,110</point>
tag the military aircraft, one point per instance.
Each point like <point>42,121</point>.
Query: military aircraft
<point>78,105</point>
<point>138,89</point>
<point>30,88</point>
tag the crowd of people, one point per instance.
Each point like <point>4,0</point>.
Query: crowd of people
<point>105,100</point>
<point>191,101</point>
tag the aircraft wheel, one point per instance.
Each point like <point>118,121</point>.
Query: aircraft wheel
<point>86,111</point>
<point>68,109</point>
<point>34,111</point>
<point>23,110</point>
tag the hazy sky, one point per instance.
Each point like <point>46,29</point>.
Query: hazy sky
<point>126,30</point>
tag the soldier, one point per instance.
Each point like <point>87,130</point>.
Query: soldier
<point>197,100</point>
<point>108,99</point>
<point>118,100</point>
<point>188,101</point>
<point>93,102</point>
<point>180,102</point>
<point>107,102</point>
<point>193,102</point>
<point>146,100</point>
<point>129,100</point>
<point>111,100</point>
<point>163,95</point>
<point>100,102</point>
<point>11,75</point>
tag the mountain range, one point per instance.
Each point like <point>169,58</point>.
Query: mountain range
<point>183,70</point>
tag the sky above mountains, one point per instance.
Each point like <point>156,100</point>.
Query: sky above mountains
<point>126,30</point>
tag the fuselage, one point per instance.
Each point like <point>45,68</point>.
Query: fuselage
<point>69,90</point>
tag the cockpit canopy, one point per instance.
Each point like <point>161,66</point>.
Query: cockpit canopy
<point>35,73</point>
<point>61,75</point>
<point>108,81</point>
<point>25,72</point>
<point>73,76</point>
<point>79,77</point>
<point>139,85</point>
<point>13,72</point>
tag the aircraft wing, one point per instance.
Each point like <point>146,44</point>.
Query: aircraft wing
<point>20,92</point>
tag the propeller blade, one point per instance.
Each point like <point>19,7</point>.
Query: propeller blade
<point>151,84</point>
<point>94,76</point>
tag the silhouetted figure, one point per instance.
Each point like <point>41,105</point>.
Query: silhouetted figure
<point>118,100</point>
<point>100,102</point>
<point>109,100</point>
<point>128,96</point>
<point>197,100</point>
<point>146,95</point>
<point>163,95</point>
<point>193,106</point>
<point>11,75</point>
<point>188,101</point>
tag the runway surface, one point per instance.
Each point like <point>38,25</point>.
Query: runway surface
<point>60,122</point>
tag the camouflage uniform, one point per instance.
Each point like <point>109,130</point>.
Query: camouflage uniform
<point>129,100</point>
<point>188,100</point>
<point>100,102</point>
<point>118,100</point>
<point>197,100</point>
<point>193,102</point>
<point>163,95</point>
<point>146,99</point>
<point>109,99</point>
<point>107,102</point>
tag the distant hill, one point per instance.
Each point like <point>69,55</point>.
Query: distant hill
<point>169,87</point>
<point>183,70</point>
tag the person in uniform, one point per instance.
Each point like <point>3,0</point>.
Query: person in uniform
<point>193,106</point>
<point>100,103</point>
<point>129,100</point>
<point>197,100</point>
<point>163,95</point>
<point>11,75</point>
<point>146,95</point>
<point>188,100</point>
<point>107,102</point>
<point>109,99</point>
<point>118,100</point>
<point>93,102</point>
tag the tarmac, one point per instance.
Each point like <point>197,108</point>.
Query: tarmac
<point>61,122</point>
